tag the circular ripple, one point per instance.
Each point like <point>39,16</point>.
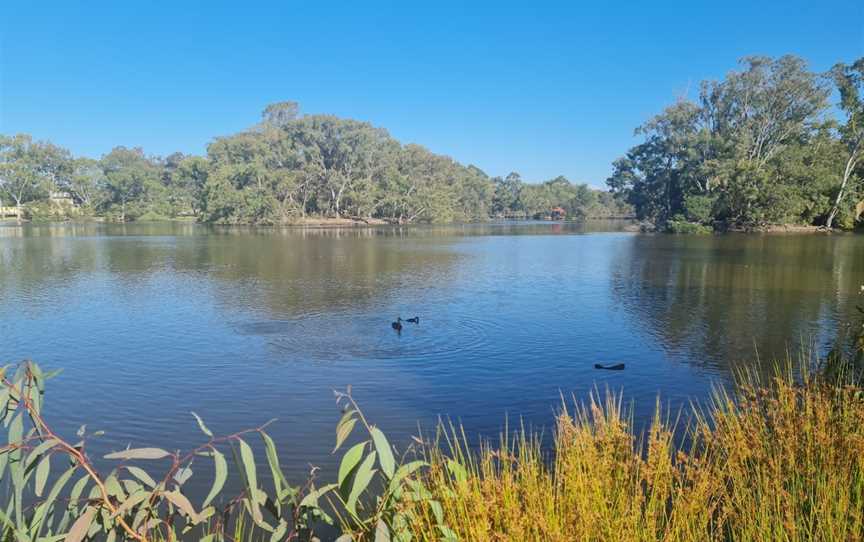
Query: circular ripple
<point>328,337</point>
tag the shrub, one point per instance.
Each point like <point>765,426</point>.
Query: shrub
<point>679,224</point>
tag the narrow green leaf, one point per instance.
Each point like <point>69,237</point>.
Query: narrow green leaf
<point>385,452</point>
<point>279,480</point>
<point>343,430</point>
<point>131,502</point>
<point>16,430</point>
<point>180,501</point>
<point>280,532</point>
<point>361,481</point>
<point>77,489</point>
<point>52,496</point>
<point>182,475</point>
<point>203,427</point>
<point>81,526</point>
<point>142,475</point>
<point>221,475</point>
<point>349,461</point>
<point>42,472</point>
<point>39,450</point>
<point>139,453</point>
<point>248,464</point>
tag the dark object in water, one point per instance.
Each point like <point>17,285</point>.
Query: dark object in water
<point>397,325</point>
<point>415,320</point>
<point>616,367</point>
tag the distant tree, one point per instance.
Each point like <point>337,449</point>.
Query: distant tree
<point>507,193</point>
<point>87,183</point>
<point>20,173</point>
<point>128,174</point>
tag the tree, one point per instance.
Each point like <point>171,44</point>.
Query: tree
<point>128,174</point>
<point>507,193</point>
<point>190,177</point>
<point>850,84</point>
<point>723,158</point>
<point>278,115</point>
<point>87,183</point>
<point>21,178</point>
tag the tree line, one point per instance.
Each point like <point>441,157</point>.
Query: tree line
<point>285,169</point>
<point>765,145</point>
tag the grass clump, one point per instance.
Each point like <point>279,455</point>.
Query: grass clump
<point>779,460</point>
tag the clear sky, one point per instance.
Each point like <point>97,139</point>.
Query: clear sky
<point>541,88</point>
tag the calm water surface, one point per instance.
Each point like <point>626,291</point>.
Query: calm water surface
<point>151,322</point>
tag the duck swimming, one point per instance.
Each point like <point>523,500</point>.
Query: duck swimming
<point>616,367</point>
<point>415,320</point>
<point>397,325</point>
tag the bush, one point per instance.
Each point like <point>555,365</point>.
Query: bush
<point>142,498</point>
<point>679,224</point>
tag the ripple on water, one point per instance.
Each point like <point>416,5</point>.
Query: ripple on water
<point>328,337</point>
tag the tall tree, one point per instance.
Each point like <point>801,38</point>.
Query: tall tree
<point>20,178</point>
<point>128,173</point>
<point>850,83</point>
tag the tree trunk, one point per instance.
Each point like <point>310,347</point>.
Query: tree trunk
<point>847,173</point>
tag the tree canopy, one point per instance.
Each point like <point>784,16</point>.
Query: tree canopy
<point>282,170</point>
<point>758,147</point>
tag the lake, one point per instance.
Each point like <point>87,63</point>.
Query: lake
<point>152,321</point>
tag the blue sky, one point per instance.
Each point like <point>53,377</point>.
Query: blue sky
<point>542,88</point>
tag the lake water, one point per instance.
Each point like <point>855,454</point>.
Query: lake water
<point>151,322</point>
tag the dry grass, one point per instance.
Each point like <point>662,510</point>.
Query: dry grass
<point>775,460</point>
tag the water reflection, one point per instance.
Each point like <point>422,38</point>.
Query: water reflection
<point>151,321</point>
<point>721,299</point>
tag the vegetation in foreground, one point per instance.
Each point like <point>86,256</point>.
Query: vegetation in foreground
<point>776,460</point>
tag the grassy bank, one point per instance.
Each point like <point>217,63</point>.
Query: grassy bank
<point>776,459</point>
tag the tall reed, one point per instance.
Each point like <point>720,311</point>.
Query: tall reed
<point>772,460</point>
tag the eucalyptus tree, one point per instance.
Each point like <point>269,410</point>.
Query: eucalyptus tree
<point>190,177</point>
<point>128,175</point>
<point>507,191</point>
<point>87,183</point>
<point>850,84</point>
<point>344,154</point>
<point>719,158</point>
<point>20,174</point>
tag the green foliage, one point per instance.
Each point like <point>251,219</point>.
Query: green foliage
<point>680,224</point>
<point>755,149</point>
<point>281,171</point>
<point>372,488</point>
<point>54,492</point>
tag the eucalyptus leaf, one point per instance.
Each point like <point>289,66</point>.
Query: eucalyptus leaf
<point>139,453</point>
<point>364,475</point>
<point>385,452</point>
<point>221,475</point>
